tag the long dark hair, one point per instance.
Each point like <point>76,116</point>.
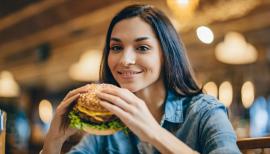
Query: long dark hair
<point>178,74</point>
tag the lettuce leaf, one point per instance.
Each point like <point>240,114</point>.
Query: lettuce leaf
<point>76,122</point>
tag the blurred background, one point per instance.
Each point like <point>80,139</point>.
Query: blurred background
<point>50,47</point>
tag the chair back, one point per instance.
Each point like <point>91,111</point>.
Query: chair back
<point>246,144</point>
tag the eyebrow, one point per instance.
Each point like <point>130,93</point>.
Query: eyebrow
<point>115,39</point>
<point>141,39</point>
<point>136,40</point>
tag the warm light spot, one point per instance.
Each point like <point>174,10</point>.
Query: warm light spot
<point>183,9</point>
<point>211,88</point>
<point>226,93</point>
<point>8,85</point>
<point>45,111</point>
<point>235,50</point>
<point>87,68</point>
<point>205,34</point>
<point>182,2</point>
<point>247,94</point>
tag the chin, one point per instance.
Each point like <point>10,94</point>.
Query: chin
<point>131,87</point>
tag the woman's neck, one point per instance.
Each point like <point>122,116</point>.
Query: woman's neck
<point>154,97</point>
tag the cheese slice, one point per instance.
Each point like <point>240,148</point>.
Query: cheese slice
<point>93,113</point>
<point>98,119</point>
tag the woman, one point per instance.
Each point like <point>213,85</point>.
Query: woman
<point>152,91</point>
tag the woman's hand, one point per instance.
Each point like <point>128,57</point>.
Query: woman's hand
<point>130,109</point>
<point>56,135</point>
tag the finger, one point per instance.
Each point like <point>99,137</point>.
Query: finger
<point>125,94</point>
<point>82,89</point>
<point>62,107</point>
<point>115,100</point>
<point>120,113</point>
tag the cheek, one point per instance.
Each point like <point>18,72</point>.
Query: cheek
<point>111,61</point>
<point>153,66</point>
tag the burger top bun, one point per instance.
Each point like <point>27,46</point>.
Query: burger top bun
<point>90,101</point>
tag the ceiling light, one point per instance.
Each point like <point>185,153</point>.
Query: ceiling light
<point>45,111</point>
<point>235,50</point>
<point>211,88</point>
<point>183,9</point>
<point>87,68</point>
<point>182,2</point>
<point>205,34</point>
<point>247,94</point>
<point>8,85</point>
<point>226,93</point>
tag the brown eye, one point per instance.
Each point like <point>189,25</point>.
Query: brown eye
<point>143,48</point>
<point>116,48</point>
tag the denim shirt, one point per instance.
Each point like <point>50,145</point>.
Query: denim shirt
<point>200,122</point>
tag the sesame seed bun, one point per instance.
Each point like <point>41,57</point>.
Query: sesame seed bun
<point>88,115</point>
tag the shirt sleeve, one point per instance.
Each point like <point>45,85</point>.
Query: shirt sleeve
<point>217,134</point>
<point>87,145</point>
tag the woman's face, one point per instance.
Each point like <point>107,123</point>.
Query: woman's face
<point>135,57</point>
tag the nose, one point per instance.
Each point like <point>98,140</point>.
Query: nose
<point>128,57</point>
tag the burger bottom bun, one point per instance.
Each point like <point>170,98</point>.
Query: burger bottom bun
<point>99,132</point>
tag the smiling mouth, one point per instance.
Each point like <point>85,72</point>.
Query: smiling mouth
<point>128,74</point>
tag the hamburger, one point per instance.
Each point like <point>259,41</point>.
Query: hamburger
<point>88,115</point>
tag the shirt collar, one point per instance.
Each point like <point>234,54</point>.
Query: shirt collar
<point>174,107</point>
